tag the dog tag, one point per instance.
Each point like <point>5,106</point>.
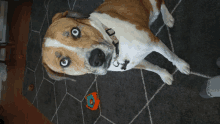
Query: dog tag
<point>116,63</point>
<point>125,65</point>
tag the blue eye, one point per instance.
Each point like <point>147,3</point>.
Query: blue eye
<point>76,33</point>
<point>65,62</point>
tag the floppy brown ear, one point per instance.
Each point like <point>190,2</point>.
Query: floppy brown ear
<point>59,15</point>
<point>56,76</point>
<point>77,15</point>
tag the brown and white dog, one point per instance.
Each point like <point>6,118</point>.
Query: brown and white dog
<point>83,45</point>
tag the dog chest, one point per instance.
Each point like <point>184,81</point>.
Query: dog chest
<point>133,51</point>
<point>134,45</point>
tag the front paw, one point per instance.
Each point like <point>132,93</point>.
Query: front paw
<point>168,20</point>
<point>183,67</point>
<point>166,77</point>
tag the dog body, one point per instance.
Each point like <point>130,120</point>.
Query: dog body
<point>92,51</point>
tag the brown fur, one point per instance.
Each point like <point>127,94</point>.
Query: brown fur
<point>159,2</point>
<point>139,66</point>
<point>134,11</point>
<point>54,62</point>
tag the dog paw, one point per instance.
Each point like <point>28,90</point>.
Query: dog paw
<point>166,77</point>
<point>168,20</point>
<point>183,67</point>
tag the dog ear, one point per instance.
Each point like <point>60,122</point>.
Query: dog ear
<point>59,15</point>
<point>77,15</point>
<point>70,14</point>
<point>56,76</point>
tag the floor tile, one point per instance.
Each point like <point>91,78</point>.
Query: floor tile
<point>55,119</point>
<point>60,91</point>
<point>152,82</point>
<point>90,116</point>
<point>121,96</point>
<point>86,6</point>
<point>181,102</point>
<point>79,88</point>
<point>35,103</point>
<point>56,6</point>
<point>143,118</point>
<point>28,80</point>
<point>46,75</point>
<point>44,28</point>
<point>39,75</point>
<point>193,41</point>
<point>102,120</point>
<point>70,111</point>
<point>46,99</point>
<point>33,51</point>
<point>37,15</point>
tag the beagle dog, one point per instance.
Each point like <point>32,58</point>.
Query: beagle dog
<point>115,37</point>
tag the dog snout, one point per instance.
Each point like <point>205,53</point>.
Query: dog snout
<point>97,58</point>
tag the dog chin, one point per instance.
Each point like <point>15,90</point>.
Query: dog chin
<point>103,72</point>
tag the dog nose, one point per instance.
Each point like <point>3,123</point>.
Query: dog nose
<point>97,58</point>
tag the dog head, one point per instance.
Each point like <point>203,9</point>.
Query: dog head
<point>73,46</point>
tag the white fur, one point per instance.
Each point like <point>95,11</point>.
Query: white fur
<point>133,44</point>
<point>55,43</point>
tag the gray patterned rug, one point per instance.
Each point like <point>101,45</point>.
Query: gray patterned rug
<point>134,96</point>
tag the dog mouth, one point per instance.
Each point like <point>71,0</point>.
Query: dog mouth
<point>108,60</point>
<point>108,52</point>
<point>103,69</point>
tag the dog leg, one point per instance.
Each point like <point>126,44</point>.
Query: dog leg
<point>182,66</point>
<point>159,6</point>
<point>163,73</point>
<point>167,17</point>
<point>155,12</point>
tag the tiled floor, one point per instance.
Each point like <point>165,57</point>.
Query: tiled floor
<point>134,96</point>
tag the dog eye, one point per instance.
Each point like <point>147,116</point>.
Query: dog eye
<point>76,32</point>
<point>65,62</point>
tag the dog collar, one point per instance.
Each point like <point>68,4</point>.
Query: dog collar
<point>115,42</point>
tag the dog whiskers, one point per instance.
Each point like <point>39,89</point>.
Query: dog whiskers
<point>57,54</point>
<point>66,33</point>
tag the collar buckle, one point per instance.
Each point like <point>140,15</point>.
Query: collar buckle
<point>110,32</point>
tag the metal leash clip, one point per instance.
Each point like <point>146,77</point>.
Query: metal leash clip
<point>124,65</point>
<point>115,59</point>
